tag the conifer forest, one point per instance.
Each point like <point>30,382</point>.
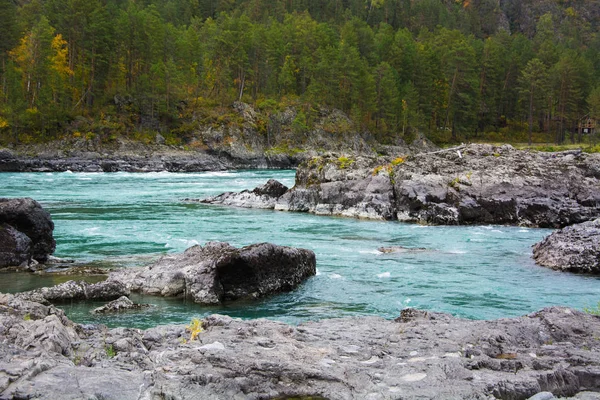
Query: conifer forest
<point>451,69</point>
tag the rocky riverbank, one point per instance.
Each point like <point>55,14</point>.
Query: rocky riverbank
<point>212,147</point>
<point>420,355</point>
<point>138,157</point>
<point>474,184</point>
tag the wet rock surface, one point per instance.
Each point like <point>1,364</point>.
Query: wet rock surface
<point>575,248</point>
<point>218,272</point>
<point>26,232</point>
<point>422,355</point>
<point>474,184</point>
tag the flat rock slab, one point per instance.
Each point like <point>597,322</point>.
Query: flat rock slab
<point>219,272</point>
<point>575,249</point>
<point>421,356</point>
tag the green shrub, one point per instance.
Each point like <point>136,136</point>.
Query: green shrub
<point>110,351</point>
<point>344,162</point>
<point>593,310</point>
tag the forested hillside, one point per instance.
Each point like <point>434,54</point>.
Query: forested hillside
<point>452,69</point>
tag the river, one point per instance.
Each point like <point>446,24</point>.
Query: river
<point>126,219</point>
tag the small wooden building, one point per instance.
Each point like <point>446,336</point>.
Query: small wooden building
<point>587,125</point>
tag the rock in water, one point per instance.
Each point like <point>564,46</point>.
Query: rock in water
<point>401,249</point>
<point>218,272</point>
<point>264,196</point>
<point>272,188</point>
<point>71,290</point>
<point>575,249</point>
<point>123,303</point>
<point>29,218</point>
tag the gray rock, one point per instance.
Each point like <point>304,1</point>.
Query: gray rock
<point>575,249</point>
<point>218,272</point>
<point>262,197</point>
<point>121,304</point>
<point>15,247</point>
<point>273,188</point>
<point>72,290</point>
<point>159,139</point>
<point>28,217</point>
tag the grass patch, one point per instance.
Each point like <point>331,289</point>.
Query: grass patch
<point>593,310</point>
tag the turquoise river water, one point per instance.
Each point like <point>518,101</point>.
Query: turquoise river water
<point>479,272</point>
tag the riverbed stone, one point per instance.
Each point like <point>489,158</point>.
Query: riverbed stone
<point>575,248</point>
<point>219,272</point>
<point>26,216</point>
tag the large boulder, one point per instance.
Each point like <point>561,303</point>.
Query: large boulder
<point>575,249</point>
<point>20,218</point>
<point>218,272</point>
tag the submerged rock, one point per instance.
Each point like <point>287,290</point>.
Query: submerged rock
<point>218,272</point>
<point>474,184</point>
<point>25,232</point>
<point>423,355</point>
<point>575,249</point>
<point>401,249</point>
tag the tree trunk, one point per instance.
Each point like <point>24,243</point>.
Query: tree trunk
<point>242,77</point>
<point>449,99</point>
<point>530,113</point>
